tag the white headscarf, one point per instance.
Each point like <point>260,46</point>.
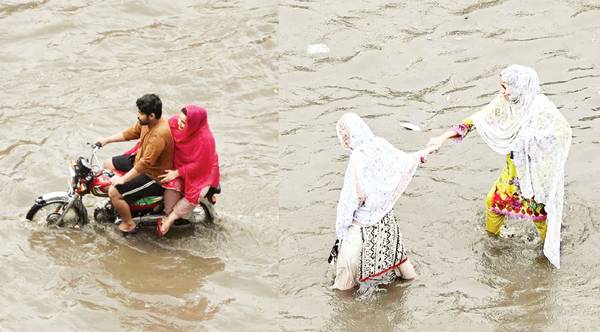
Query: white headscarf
<point>376,168</point>
<point>530,126</point>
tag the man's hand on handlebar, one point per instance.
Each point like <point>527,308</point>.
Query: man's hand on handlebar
<point>101,142</point>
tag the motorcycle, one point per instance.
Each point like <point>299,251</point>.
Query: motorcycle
<point>87,177</point>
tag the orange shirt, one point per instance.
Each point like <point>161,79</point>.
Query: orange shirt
<point>155,153</point>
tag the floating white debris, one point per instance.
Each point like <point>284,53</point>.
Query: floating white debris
<point>317,49</point>
<point>410,126</point>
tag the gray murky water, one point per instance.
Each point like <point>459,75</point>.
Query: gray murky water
<point>71,72</point>
<point>433,63</point>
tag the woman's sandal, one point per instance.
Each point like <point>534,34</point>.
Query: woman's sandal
<point>159,231</point>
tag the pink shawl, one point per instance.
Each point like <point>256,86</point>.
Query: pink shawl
<point>195,155</point>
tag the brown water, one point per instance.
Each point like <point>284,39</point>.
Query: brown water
<point>433,63</point>
<point>70,73</point>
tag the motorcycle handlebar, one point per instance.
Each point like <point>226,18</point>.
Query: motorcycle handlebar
<point>95,147</point>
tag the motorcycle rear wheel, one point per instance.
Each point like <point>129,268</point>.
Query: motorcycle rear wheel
<point>202,214</point>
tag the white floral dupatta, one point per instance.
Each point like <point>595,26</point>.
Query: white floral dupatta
<point>530,126</point>
<point>376,168</point>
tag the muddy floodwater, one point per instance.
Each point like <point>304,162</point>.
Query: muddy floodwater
<point>71,72</point>
<point>433,63</point>
<point>275,76</point>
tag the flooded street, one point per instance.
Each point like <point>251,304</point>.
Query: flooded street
<point>71,73</point>
<point>275,76</point>
<point>434,63</point>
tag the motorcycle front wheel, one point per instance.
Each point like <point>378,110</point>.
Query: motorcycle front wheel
<point>48,213</point>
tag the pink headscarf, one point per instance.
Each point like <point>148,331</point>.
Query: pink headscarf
<point>195,155</point>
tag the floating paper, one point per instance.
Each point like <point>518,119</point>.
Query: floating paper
<point>317,49</point>
<point>410,126</point>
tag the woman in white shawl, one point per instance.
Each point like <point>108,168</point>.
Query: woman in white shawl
<point>523,124</point>
<point>370,240</point>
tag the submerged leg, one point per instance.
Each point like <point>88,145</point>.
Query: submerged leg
<point>493,221</point>
<point>541,227</point>
<point>407,270</point>
<point>347,266</point>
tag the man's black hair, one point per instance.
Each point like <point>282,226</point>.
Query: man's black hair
<point>184,111</point>
<point>150,104</point>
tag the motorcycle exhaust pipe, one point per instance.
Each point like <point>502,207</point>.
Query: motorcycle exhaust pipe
<point>144,220</point>
<point>147,219</point>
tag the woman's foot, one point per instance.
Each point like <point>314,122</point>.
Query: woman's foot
<point>160,227</point>
<point>163,225</point>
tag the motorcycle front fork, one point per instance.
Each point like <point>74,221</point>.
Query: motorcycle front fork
<point>66,209</point>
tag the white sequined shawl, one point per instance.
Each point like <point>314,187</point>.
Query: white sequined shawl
<point>530,126</point>
<point>376,176</point>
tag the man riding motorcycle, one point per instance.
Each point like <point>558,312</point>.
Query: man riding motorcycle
<point>153,157</point>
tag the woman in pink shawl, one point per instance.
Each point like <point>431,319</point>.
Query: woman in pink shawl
<point>196,165</point>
